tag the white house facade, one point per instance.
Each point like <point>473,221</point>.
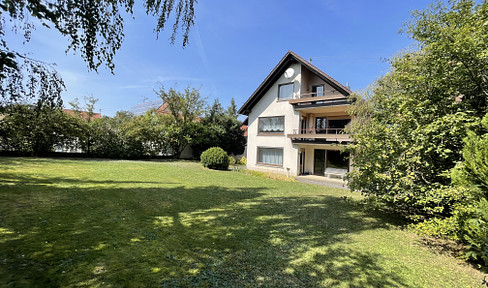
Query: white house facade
<point>296,119</point>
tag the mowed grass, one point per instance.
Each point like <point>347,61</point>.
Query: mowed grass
<point>100,223</point>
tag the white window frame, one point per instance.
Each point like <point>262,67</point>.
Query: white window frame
<point>292,90</point>
<point>270,148</point>
<point>270,132</point>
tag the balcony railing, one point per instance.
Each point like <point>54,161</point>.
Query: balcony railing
<point>318,131</point>
<point>311,94</point>
<point>328,94</point>
<point>325,100</point>
<point>319,136</point>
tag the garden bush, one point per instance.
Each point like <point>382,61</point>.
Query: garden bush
<point>232,160</point>
<point>243,160</point>
<point>215,158</point>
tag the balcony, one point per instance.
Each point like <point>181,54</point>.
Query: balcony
<point>317,97</point>
<point>313,103</point>
<point>319,135</point>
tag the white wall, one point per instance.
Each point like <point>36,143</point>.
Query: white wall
<point>270,106</point>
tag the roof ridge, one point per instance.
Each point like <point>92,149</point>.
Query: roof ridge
<point>257,94</point>
<point>322,72</point>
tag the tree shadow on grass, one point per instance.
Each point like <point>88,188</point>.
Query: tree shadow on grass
<point>204,236</point>
<point>27,179</point>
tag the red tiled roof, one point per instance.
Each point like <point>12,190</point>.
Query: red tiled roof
<point>83,114</point>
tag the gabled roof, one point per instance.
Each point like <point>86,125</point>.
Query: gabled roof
<point>287,60</point>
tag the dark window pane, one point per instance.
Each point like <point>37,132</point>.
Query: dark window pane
<point>321,125</point>
<point>336,159</point>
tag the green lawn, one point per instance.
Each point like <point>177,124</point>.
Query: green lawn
<point>99,223</point>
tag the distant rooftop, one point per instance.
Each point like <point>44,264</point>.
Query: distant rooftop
<point>83,114</point>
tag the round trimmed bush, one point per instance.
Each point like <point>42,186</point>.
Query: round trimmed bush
<point>215,158</point>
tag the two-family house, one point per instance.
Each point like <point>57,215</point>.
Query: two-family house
<point>296,119</point>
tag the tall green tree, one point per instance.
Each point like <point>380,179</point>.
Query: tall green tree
<point>93,28</point>
<point>409,129</point>
<point>220,128</point>
<point>149,130</point>
<point>85,116</point>
<point>185,111</point>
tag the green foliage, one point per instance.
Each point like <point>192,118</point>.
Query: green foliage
<point>183,110</point>
<point>472,230</point>
<point>472,175</point>
<point>36,129</point>
<point>215,158</point>
<point>150,131</point>
<point>92,28</point>
<point>409,128</point>
<point>110,139</point>
<point>232,160</point>
<point>220,128</point>
<point>438,227</point>
<point>473,171</point>
<point>243,160</point>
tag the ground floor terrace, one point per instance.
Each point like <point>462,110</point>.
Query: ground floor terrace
<point>323,160</point>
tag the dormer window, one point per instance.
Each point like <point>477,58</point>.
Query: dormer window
<point>285,91</point>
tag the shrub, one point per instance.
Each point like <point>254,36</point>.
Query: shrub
<point>473,229</point>
<point>232,160</point>
<point>215,158</point>
<point>243,160</point>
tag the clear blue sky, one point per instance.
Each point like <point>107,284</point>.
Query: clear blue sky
<point>233,47</point>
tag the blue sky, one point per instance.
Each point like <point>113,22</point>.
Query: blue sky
<point>233,47</point>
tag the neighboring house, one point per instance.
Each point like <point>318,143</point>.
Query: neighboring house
<point>296,119</point>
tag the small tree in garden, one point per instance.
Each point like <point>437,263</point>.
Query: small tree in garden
<point>215,158</point>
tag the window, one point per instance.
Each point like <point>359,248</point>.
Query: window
<point>336,126</point>
<point>285,91</point>
<point>318,91</point>
<point>272,125</point>
<point>336,159</point>
<point>270,156</point>
<point>320,125</point>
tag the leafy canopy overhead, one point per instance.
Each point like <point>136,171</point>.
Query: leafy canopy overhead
<point>94,28</point>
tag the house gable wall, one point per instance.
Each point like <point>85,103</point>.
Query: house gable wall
<point>270,106</point>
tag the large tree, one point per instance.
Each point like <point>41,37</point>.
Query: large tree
<point>409,130</point>
<point>184,111</point>
<point>219,128</point>
<point>94,28</point>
